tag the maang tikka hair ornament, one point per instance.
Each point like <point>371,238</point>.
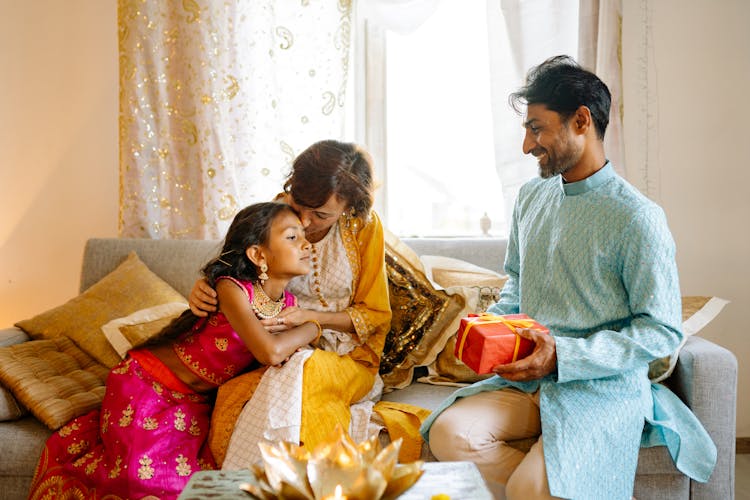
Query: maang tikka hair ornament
<point>263,276</point>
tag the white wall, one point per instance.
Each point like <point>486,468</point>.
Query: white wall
<point>58,146</point>
<point>699,55</point>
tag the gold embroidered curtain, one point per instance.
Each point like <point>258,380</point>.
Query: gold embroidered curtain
<point>216,99</point>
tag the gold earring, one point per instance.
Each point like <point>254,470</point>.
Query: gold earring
<point>263,276</point>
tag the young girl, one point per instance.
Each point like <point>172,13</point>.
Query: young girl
<point>150,434</point>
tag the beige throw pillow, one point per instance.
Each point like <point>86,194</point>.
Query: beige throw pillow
<point>132,286</point>
<point>480,288</point>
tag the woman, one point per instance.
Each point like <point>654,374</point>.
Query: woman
<point>346,291</point>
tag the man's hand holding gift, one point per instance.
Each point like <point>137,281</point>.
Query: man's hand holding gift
<point>487,343</point>
<point>542,360</point>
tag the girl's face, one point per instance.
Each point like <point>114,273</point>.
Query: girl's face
<point>288,250</point>
<point>317,221</point>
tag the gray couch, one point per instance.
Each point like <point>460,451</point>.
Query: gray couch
<point>705,377</point>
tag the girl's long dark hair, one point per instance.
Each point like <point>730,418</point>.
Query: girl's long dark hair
<point>251,226</point>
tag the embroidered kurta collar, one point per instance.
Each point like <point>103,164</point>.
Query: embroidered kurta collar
<point>589,183</point>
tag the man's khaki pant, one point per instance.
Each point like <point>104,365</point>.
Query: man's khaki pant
<point>476,429</point>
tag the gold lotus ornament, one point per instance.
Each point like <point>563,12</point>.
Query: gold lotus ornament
<point>338,469</point>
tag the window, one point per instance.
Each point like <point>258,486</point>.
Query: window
<point>451,153</point>
<point>441,175</point>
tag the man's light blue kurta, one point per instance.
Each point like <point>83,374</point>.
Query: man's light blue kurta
<point>594,261</point>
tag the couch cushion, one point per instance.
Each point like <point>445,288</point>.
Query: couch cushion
<point>423,316</point>
<point>129,288</point>
<point>53,378</point>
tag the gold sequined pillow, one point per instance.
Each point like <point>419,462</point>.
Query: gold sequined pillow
<point>54,379</point>
<point>132,286</point>
<point>697,312</point>
<point>423,316</point>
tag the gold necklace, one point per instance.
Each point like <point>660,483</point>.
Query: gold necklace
<point>316,276</point>
<point>263,306</point>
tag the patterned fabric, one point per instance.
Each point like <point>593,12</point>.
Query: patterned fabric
<point>334,277</point>
<point>147,439</point>
<point>274,413</point>
<point>213,350</point>
<point>197,80</point>
<point>594,262</point>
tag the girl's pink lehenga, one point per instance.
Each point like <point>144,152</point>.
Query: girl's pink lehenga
<point>150,434</point>
<point>146,441</point>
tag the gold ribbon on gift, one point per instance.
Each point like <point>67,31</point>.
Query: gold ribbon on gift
<point>485,319</point>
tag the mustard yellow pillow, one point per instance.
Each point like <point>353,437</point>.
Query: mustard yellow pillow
<point>132,286</point>
<point>54,379</point>
<point>423,317</point>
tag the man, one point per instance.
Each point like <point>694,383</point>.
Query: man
<point>593,260</point>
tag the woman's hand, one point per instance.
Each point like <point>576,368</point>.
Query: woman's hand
<point>287,318</point>
<point>202,299</point>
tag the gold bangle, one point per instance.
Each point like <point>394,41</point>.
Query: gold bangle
<point>320,330</point>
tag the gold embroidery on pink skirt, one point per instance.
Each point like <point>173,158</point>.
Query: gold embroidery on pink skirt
<point>82,461</point>
<point>65,430</point>
<point>105,421</point>
<point>76,448</point>
<point>91,468</point>
<point>150,424</point>
<point>179,420</point>
<point>145,471</point>
<point>127,416</point>
<point>177,395</point>
<point>195,429</point>
<point>158,389</point>
<point>119,370</point>
<point>183,468</point>
<point>115,472</point>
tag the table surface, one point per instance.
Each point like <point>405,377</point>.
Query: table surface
<point>458,480</point>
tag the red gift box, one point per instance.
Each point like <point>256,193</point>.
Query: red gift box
<point>488,340</point>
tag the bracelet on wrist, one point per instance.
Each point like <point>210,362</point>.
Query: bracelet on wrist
<point>320,331</point>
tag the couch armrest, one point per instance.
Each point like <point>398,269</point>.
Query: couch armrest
<point>12,335</point>
<point>705,378</point>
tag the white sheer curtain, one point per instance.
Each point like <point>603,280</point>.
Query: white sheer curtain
<point>600,50</point>
<point>216,99</point>
<point>522,34</point>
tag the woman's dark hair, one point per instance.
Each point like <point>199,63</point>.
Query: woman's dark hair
<point>332,167</point>
<point>251,226</point>
<point>563,86</point>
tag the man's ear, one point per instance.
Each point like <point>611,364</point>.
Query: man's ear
<point>255,254</point>
<point>582,119</point>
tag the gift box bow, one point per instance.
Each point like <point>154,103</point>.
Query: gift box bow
<point>483,319</point>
